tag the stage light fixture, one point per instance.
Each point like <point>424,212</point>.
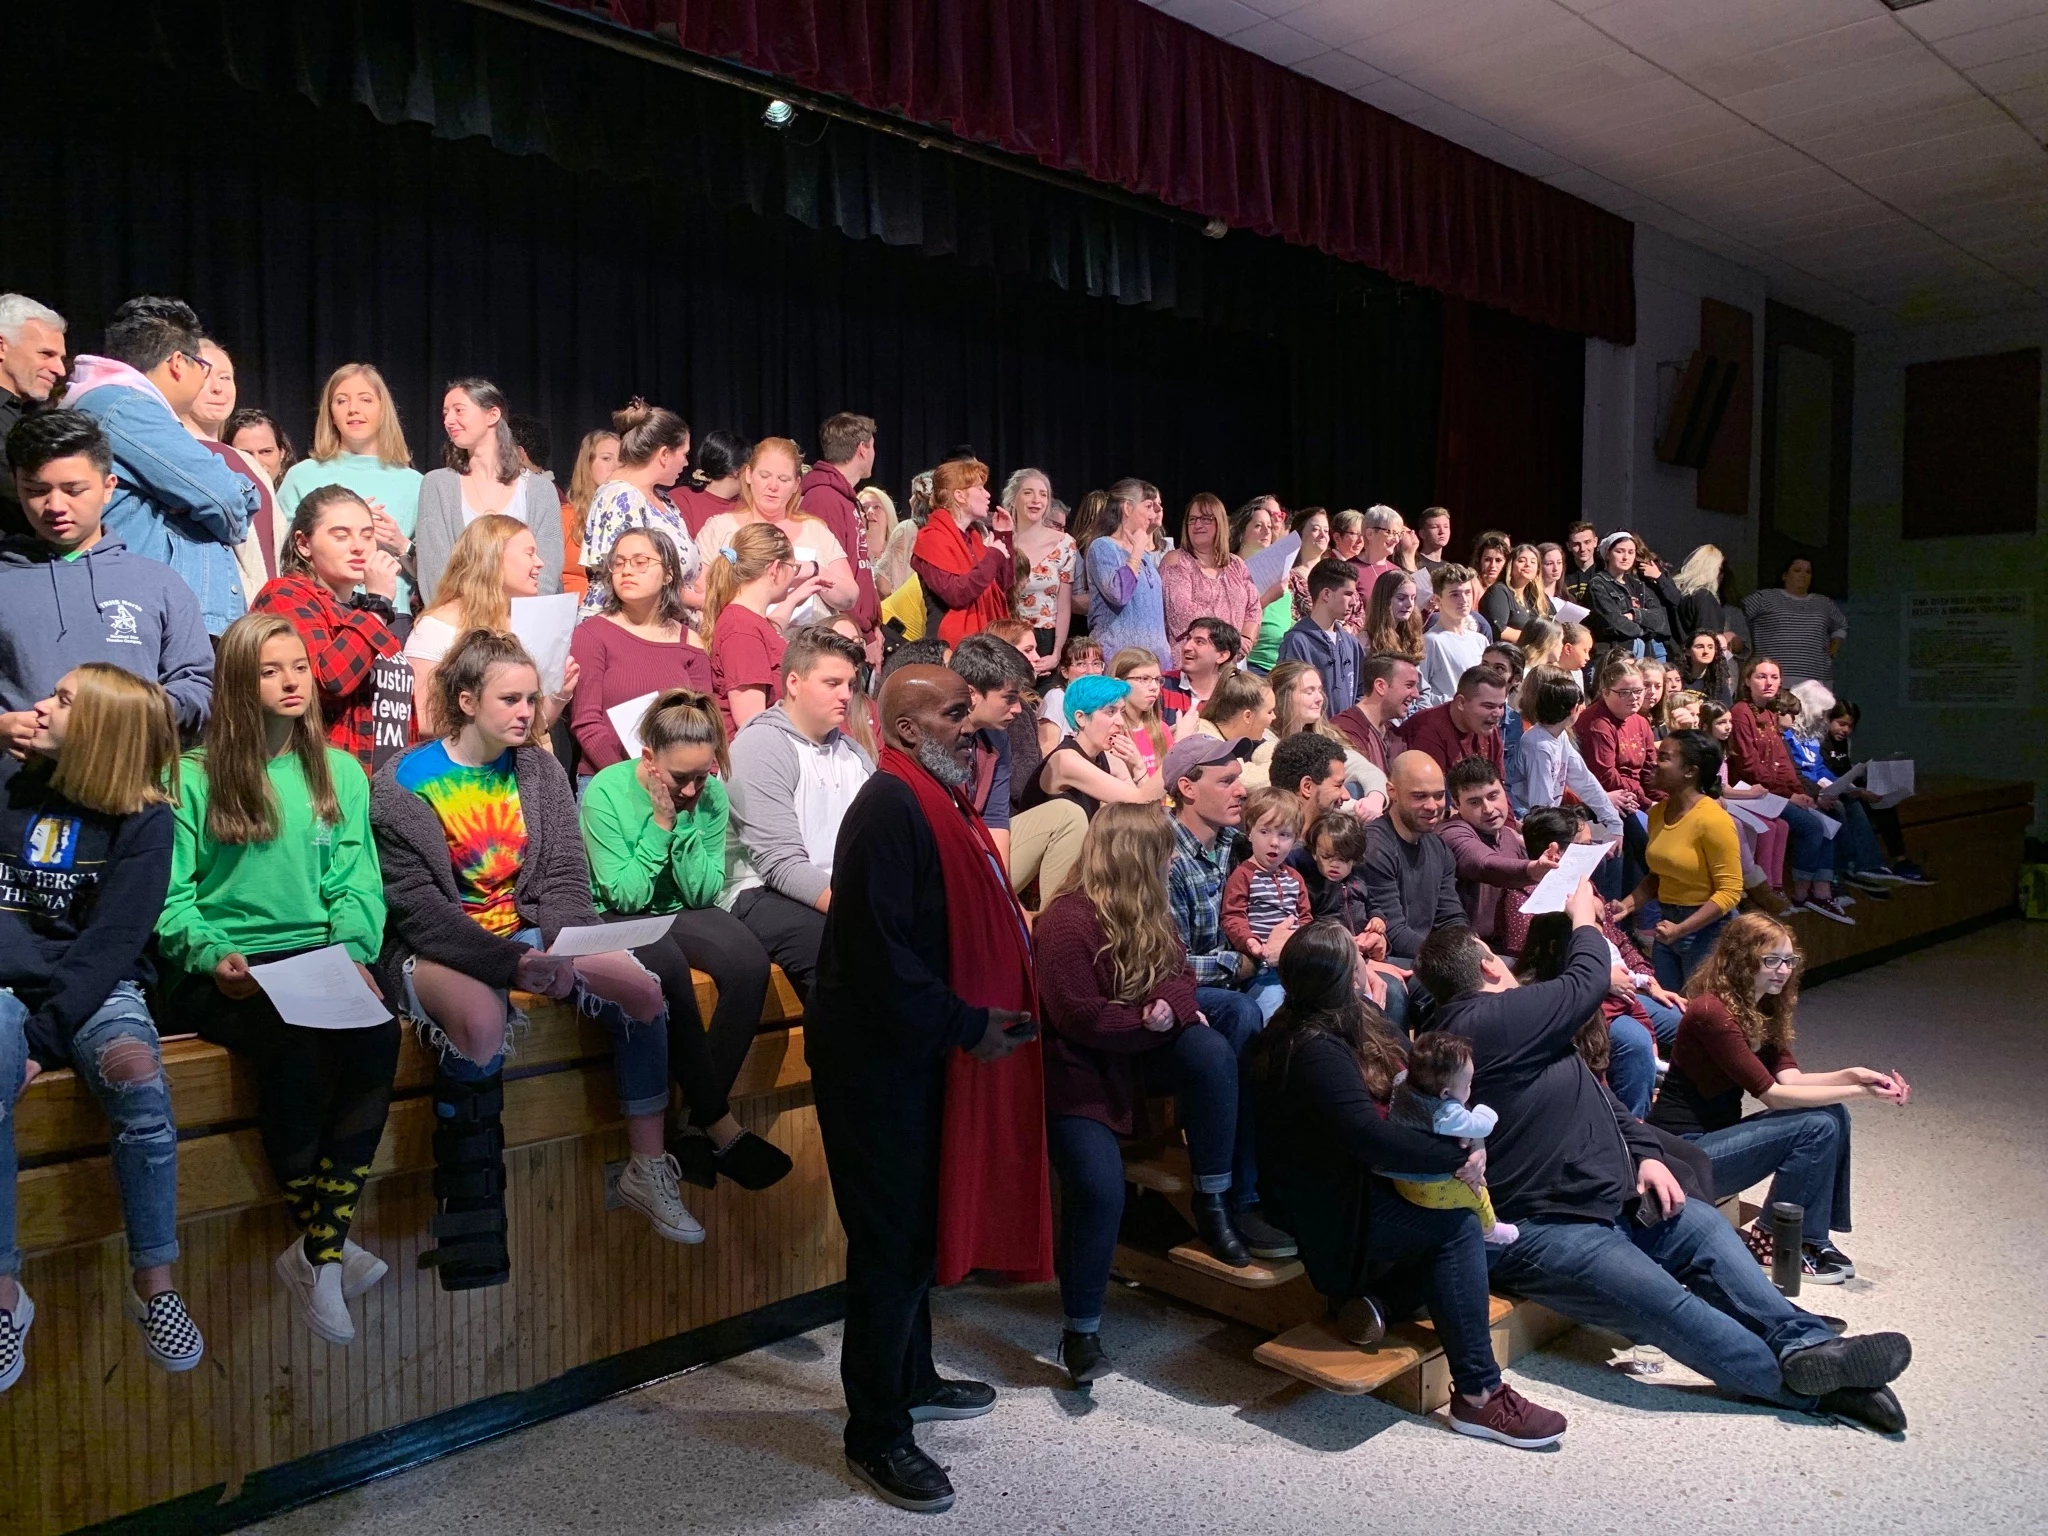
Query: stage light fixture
<point>778,114</point>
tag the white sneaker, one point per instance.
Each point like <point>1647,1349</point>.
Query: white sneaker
<point>14,1327</point>
<point>648,1184</point>
<point>319,1294</point>
<point>360,1269</point>
<point>169,1335</point>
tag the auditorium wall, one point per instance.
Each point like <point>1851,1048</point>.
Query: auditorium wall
<point>1628,392</point>
<point>1998,740</point>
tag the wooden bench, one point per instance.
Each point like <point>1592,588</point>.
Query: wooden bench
<point>93,1432</point>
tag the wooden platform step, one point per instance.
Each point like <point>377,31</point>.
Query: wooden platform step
<point>1163,1170</point>
<point>1315,1354</point>
<point>1259,1275</point>
<point>1409,1368</point>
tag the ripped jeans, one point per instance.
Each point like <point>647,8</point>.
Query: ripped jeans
<point>145,1144</point>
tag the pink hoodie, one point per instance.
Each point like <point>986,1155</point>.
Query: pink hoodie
<point>90,372</point>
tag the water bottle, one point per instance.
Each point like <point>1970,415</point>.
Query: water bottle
<point>1788,1229</point>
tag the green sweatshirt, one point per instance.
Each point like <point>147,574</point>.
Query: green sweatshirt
<point>635,865</point>
<point>311,885</point>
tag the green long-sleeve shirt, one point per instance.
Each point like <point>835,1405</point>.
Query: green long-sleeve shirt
<point>311,885</point>
<point>637,866</point>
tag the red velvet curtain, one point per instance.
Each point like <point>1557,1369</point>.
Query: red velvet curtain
<point>1120,93</point>
<point>1509,426</point>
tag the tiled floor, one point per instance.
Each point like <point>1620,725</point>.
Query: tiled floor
<point>1192,1437</point>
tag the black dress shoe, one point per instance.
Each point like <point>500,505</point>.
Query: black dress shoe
<point>1359,1321</point>
<point>955,1400</point>
<point>1082,1355</point>
<point>753,1163</point>
<point>1265,1240</point>
<point>1873,1407</point>
<point>1218,1233</point>
<point>1866,1360</point>
<point>907,1478</point>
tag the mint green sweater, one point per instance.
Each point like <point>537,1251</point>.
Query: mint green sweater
<point>397,486</point>
<point>637,866</point>
<point>309,886</point>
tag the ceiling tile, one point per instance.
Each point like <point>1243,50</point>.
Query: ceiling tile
<point>2011,74</point>
<point>1277,41</point>
<point>1339,70</point>
<point>1951,18</point>
<point>2024,35</point>
<point>1222,17</point>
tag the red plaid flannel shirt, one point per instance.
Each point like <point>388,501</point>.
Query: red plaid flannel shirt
<point>343,645</point>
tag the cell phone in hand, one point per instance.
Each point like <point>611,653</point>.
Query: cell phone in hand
<point>1023,1029</point>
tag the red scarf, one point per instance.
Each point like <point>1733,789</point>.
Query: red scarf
<point>946,545</point>
<point>994,1208</point>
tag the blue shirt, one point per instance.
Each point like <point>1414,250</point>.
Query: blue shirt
<point>1127,607</point>
<point>1337,657</point>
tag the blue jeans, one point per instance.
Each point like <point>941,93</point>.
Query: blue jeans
<point>1235,1017</point>
<point>1808,856</point>
<point>1631,1064</point>
<point>1858,850</point>
<point>1674,963</point>
<point>145,1143</point>
<point>1663,1018</point>
<point>1265,990</point>
<point>1438,1259</point>
<point>1397,1009</point>
<point>1688,1285</point>
<point>1803,1152</point>
<point>1201,1066</point>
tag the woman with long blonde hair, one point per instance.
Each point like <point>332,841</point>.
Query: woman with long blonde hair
<point>1298,701</point>
<point>1735,1037</point>
<point>1119,1006</point>
<point>1140,669</point>
<point>769,494</point>
<point>86,831</point>
<point>495,560</point>
<point>274,857</point>
<point>358,444</point>
<point>596,457</point>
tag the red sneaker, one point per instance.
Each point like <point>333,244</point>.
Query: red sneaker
<point>1510,1418</point>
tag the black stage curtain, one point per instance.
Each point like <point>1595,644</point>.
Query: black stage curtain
<point>307,236</point>
<point>1509,451</point>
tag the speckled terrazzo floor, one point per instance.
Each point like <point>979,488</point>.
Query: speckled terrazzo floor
<point>1192,1437</point>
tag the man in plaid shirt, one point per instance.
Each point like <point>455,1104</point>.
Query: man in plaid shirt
<point>1205,778</point>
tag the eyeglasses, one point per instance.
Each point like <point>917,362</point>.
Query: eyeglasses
<point>1777,962</point>
<point>203,365</point>
<point>635,562</point>
<point>1628,693</point>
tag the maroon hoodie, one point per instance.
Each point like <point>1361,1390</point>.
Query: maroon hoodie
<point>827,495</point>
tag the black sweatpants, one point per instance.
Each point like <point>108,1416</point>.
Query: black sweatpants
<point>322,1097</point>
<point>790,931</point>
<point>720,945</point>
<point>880,1123</point>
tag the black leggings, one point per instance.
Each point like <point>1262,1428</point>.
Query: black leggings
<point>717,943</point>
<point>322,1098</point>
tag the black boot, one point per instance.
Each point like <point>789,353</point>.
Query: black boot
<point>1082,1355</point>
<point>469,1183</point>
<point>1216,1230</point>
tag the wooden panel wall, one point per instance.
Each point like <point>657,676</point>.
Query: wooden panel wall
<point>93,1430</point>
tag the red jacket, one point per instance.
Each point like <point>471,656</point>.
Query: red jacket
<point>1430,731</point>
<point>1090,1037</point>
<point>343,644</point>
<point>827,495</point>
<point>1621,753</point>
<point>1757,755</point>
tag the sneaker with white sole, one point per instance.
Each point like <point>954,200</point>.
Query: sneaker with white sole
<point>1829,908</point>
<point>360,1269</point>
<point>169,1336</point>
<point>14,1325</point>
<point>1508,1417</point>
<point>318,1291</point>
<point>649,1185</point>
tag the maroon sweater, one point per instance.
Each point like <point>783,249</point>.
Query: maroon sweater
<point>1431,731</point>
<point>1090,1038</point>
<point>827,496</point>
<point>618,666</point>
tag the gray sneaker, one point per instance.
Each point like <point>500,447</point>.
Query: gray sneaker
<point>1265,1240</point>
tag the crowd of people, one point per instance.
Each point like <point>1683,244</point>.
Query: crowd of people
<point>1040,810</point>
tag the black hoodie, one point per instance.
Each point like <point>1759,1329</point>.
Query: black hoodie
<point>80,893</point>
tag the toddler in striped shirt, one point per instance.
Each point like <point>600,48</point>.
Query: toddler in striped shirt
<point>1264,900</point>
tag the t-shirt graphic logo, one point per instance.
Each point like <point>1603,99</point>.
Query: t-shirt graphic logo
<point>52,842</point>
<point>122,625</point>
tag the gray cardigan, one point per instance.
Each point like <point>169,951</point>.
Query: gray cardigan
<point>440,525</point>
<point>424,911</point>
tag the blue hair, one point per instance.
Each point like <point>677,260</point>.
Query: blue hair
<point>1085,695</point>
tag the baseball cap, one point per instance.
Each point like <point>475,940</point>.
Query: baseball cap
<point>1202,751</point>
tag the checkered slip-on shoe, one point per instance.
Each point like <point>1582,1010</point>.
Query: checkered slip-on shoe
<point>169,1336</point>
<point>14,1337</point>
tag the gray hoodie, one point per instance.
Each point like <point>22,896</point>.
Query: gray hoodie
<point>103,605</point>
<point>788,795</point>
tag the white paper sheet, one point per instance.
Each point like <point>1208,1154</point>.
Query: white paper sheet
<point>1829,827</point>
<point>1765,806</point>
<point>1556,888</point>
<point>320,990</point>
<point>1571,613</point>
<point>626,718</point>
<point>1739,809</point>
<point>610,938</point>
<point>1890,779</point>
<point>543,625</point>
<point>1272,563</point>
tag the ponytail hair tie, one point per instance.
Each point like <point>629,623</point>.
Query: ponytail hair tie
<point>732,556</point>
